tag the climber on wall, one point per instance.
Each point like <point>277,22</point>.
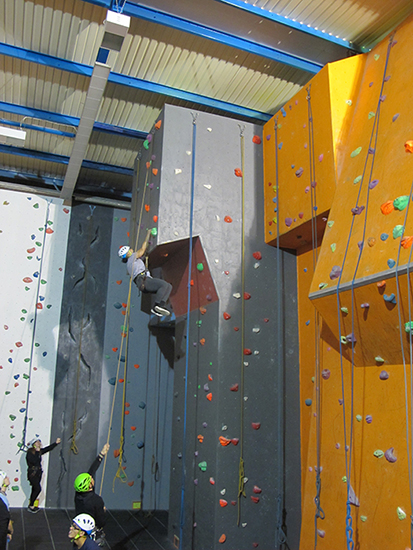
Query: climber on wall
<point>142,278</point>
<point>34,468</point>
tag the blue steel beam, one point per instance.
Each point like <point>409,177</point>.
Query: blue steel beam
<point>180,24</point>
<point>57,183</point>
<point>265,14</point>
<point>136,83</point>
<point>62,159</point>
<point>23,126</point>
<point>67,120</point>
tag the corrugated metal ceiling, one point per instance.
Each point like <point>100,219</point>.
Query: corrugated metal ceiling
<point>162,63</point>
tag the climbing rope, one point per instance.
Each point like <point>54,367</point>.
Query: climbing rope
<point>319,513</point>
<point>188,312</point>
<point>241,469</point>
<point>371,153</point>
<point>73,446</point>
<point>281,537</point>
<point>22,445</point>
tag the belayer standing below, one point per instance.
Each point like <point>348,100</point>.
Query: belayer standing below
<point>6,525</point>
<point>86,500</point>
<point>81,532</point>
<point>34,468</point>
<point>142,278</point>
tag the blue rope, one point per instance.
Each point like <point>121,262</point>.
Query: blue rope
<point>188,312</point>
<point>374,134</point>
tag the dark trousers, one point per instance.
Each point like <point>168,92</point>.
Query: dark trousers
<point>159,287</point>
<point>36,488</point>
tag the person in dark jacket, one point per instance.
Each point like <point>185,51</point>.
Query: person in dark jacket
<point>86,500</point>
<point>34,468</point>
<point>81,532</point>
<point>6,525</point>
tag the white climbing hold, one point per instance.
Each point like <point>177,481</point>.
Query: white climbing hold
<point>178,171</point>
<point>256,265</point>
<point>176,233</point>
<point>207,186</point>
<point>218,218</point>
<point>245,480</point>
<point>246,363</point>
<point>189,153</point>
<point>244,524</point>
<point>224,428</point>
<point>237,295</point>
<point>256,352</point>
<point>223,491</point>
<point>209,129</point>
<point>256,330</point>
<point>245,398</point>
<point>216,261</point>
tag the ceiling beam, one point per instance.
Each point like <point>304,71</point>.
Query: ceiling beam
<point>265,14</point>
<point>184,25</point>
<point>62,159</point>
<point>131,82</point>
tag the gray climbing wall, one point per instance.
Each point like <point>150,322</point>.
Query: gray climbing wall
<point>249,398</point>
<point>91,377</point>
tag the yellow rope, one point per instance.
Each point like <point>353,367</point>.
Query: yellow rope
<point>241,482</point>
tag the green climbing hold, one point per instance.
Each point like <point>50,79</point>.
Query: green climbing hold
<point>6,393</point>
<point>333,247</point>
<point>24,310</point>
<point>343,339</point>
<point>14,488</point>
<point>322,285</point>
<point>363,518</point>
<point>198,323</point>
<point>200,267</point>
<point>401,514</point>
<point>359,417</point>
<point>330,223</point>
<point>12,436</point>
<point>344,479</point>
<point>371,114</point>
<point>26,376</point>
<point>398,231</point>
<point>116,219</point>
<point>37,343</point>
<point>202,466</point>
<point>379,359</point>
<point>27,360</point>
<point>12,417</point>
<point>349,102</point>
<point>38,243</point>
<point>408,327</point>
<point>357,179</point>
<point>378,453</point>
<point>401,202</point>
<point>36,205</point>
<point>154,231</point>
<point>356,152</point>
<point>43,282</point>
<point>344,309</point>
<point>146,144</point>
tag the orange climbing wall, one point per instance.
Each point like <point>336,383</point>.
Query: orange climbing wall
<point>378,406</point>
<point>322,121</point>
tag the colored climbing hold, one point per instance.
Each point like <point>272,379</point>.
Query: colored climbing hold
<point>256,140</point>
<point>369,419</point>
<point>365,305</point>
<point>390,456</point>
<point>200,438</point>
<point>247,351</point>
<point>112,381</point>
<point>325,374</point>
<point>257,255</point>
<point>401,202</point>
<point>234,387</point>
<point>202,341</point>
<point>133,428</point>
<point>406,242</point>
<point>224,441</point>
<point>398,231</point>
<point>335,272</point>
<point>209,396</point>
<point>247,296</point>
<point>223,503</point>
<point>387,208</point>
<point>288,222</point>
<point>359,418</point>
<point>390,298</point>
<point>408,327</point>
<point>212,481</point>
<point>371,241</point>
<point>356,152</point>
<point>321,533</point>
<point>401,514</point>
<point>299,172</point>
<point>255,500</point>
<point>357,210</point>
<point>142,405</point>
<point>344,310</point>
<point>154,171</point>
<point>373,183</point>
<point>333,247</point>
<point>238,172</point>
<point>384,375</point>
<point>308,402</point>
<point>147,207</point>
<point>222,538</point>
<point>357,180</point>
<point>140,444</point>
<point>228,219</point>
<point>391,263</point>
<point>378,453</point>
<point>256,425</point>
<point>381,284</point>
<point>235,441</point>
<point>116,453</point>
<point>408,146</point>
<point>27,280</point>
<point>200,267</point>
<point>226,316</point>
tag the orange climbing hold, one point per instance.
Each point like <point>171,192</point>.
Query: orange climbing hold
<point>49,231</point>
<point>223,503</point>
<point>27,280</point>
<point>154,171</point>
<point>158,124</point>
<point>222,538</point>
<point>131,483</point>
<point>155,219</point>
<point>228,219</point>
<point>238,172</point>
<point>192,282</point>
<point>202,310</point>
<point>127,412</point>
<point>123,220</point>
<point>387,208</point>
<point>136,366</point>
<point>256,140</point>
<point>116,453</point>
<point>406,242</point>
<point>202,341</point>
<point>201,438</point>
<point>209,396</point>
<point>148,165</point>
<point>224,441</point>
<point>127,404</point>
<point>381,284</point>
<point>115,349</point>
<point>119,282</point>
<point>408,146</point>
<point>209,377</point>
<point>226,316</point>
<point>133,428</point>
<point>147,207</point>
<point>121,380</point>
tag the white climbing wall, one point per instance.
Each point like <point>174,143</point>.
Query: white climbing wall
<point>33,239</point>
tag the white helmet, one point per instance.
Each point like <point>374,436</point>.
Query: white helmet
<point>33,441</point>
<point>3,476</point>
<point>85,522</point>
<point>123,250</point>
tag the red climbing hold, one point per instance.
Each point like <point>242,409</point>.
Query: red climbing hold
<point>116,453</point>
<point>27,280</point>
<point>257,255</point>
<point>228,219</point>
<point>247,351</point>
<point>233,502</point>
<point>234,387</point>
<point>235,441</point>
<point>127,412</point>
<point>49,231</point>
<point>236,329</point>
<point>255,499</point>
<point>66,210</point>
<point>226,316</point>
<point>192,282</point>
<point>18,344</point>
<point>136,366</point>
<point>121,380</point>
<point>131,483</point>
<point>115,349</point>
<point>256,425</point>
<point>30,250</point>
<point>247,296</point>
<point>127,404</point>
<point>133,428</point>
<point>222,539</point>
<point>39,306</point>
<point>209,396</point>
<point>124,305</point>
<point>224,441</point>
<point>118,282</point>
<point>223,503</point>
<point>212,481</point>
<point>256,140</point>
<point>155,219</point>
<point>238,172</point>
<point>266,320</point>
<point>257,490</point>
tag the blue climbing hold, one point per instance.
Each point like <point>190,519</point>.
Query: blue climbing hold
<point>308,402</point>
<point>284,114</point>
<point>391,263</point>
<point>117,305</point>
<point>112,381</point>
<point>142,405</point>
<point>140,444</point>
<point>390,298</point>
<point>384,237</point>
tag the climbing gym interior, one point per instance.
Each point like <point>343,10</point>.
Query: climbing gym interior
<point>273,407</point>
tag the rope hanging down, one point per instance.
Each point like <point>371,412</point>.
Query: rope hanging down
<point>188,312</point>
<point>281,537</point>
<point>22,445</point>
<point>373,137</point>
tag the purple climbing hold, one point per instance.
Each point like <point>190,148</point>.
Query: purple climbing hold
<point>268,137</point>
<point>325,373</point>
<point>357,210</point>
<point>395,117</point>
<point>382,98</point>
<point>195,482</point>
<point>204,425</point>
<point>373,184</point>
<point>206,387</point>
<point>299,172</point>
<point>149,138</point>
<point>208,297</point>
<point>351,338</point>
<point>384,375</point>
<point>335,272</point>
<point>340,401</point>
<point>390,456</point>
<point>151,185</point>
<point>313,184</point>
<point>365,305</point>
<point>369,419</point>
<point>371,151</point>
<point>288,221</point>
<point>360,245</point>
